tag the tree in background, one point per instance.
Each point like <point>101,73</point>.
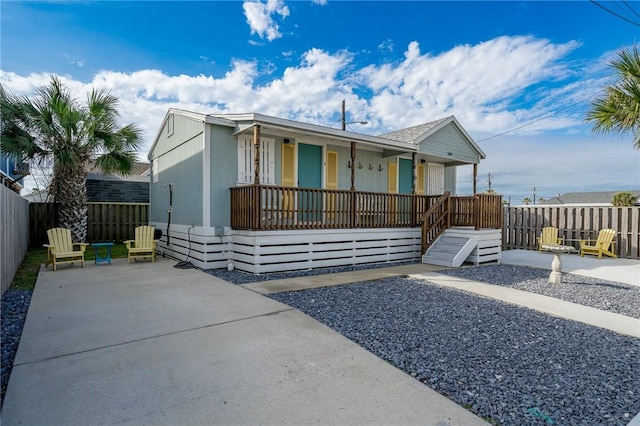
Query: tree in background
<point>623,199</point>
<point>526,201</point>
<point>56,127</point>
<point>618,110</point>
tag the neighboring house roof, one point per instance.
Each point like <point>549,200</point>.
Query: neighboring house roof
<point>393,142</point>
<point>104,191</point>
<point>106,188</point>
<point>117,191</point>
<point>590,198</point>
<point>416,134</point>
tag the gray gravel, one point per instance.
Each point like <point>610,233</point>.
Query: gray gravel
<point>600,294</point>
<point>507,364</point>
<point>15,304</point>
<point>240,277</point>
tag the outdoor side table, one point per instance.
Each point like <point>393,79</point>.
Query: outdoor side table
<point>555,277</point>
<point>107,258</point>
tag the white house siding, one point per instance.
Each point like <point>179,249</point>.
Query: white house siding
<point>276,251</point>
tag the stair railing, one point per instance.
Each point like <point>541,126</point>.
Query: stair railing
<point>436,220</point>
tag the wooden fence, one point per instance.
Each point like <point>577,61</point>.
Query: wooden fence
<point>14,231</point>
<point>522,225</point>
<point>106,221</point>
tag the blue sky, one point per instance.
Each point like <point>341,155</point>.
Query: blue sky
<point>496,66</point>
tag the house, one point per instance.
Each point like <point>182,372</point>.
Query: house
<point>12,172</point>
<point>106,188</point>
<point>133,188</point>
<point>263,194</point>
<point>601,198</point>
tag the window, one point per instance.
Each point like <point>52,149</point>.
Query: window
<point>246,160</point>
<point>170,125</point>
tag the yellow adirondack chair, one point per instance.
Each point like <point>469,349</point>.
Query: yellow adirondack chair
<point>61,250</point>
<point>549,236</point>
<point>603,245</point>
<point>144,246</point>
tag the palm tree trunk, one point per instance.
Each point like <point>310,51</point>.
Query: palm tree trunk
<point>71,196</point>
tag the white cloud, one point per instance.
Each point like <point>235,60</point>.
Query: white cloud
<point>320,2</point>
<point>260,17</point>
<point>477,83</point>
<point>386,46</point>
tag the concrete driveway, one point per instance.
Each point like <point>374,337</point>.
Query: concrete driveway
<point>151,344</point>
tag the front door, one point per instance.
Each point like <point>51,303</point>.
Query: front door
<point>405,176</point>
<point>309,177</point>
<point>405,185</point>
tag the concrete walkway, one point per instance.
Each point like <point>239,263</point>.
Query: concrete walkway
<point>151,344</point>
<point>625,271</point>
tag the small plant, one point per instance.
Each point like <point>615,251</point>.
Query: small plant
<point>623,199</point>
<point>27,273</point>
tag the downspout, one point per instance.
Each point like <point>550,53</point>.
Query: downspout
<point>169,211</point>
<point>475,177</point>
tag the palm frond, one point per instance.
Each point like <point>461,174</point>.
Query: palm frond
<point>618,109</point>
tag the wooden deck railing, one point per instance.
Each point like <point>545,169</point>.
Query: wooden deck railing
<point>435,221</point>
<point>267,207</point>
<point>480,211</point>
<point>262,207</point>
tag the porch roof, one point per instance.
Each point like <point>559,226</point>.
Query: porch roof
<point>290,128</point>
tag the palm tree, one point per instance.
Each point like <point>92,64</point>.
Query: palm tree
<point>526,201</point>
<point>55,126</point>
<point>623,199</point>
<point>618,111</point>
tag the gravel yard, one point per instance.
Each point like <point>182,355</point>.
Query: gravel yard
<point>508,364</point>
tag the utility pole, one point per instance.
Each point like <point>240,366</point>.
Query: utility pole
<point>534,195</point>
<point>344,117</point>
<point>489,183</point>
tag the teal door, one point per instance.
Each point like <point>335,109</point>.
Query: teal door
<point>309,176</point>
<point>405,183</point>
<point>405,176</point>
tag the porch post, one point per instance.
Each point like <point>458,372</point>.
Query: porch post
<point>475,177</point>
<point>414,176</point>
<point>353,206</point>
<point>256,154</point>
<point>353,166</point>
<point>414,199</point>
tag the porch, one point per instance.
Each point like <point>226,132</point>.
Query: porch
<point>268,208</point>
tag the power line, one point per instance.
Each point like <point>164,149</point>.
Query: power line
<point>615,14</point>
<point>539,119</point>
<point>630,8</point>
